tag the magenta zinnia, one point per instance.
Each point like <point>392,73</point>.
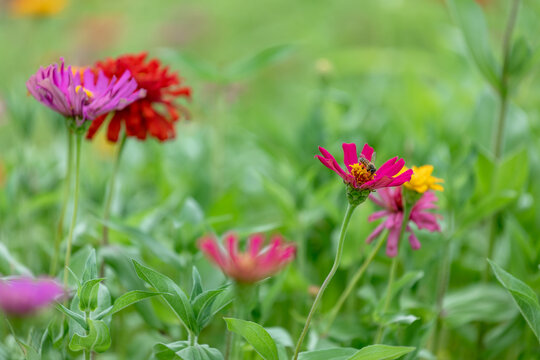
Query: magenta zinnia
<point>360,175</point>
<point>24,295</point>
<point>391,200</point>
<point>81,95</point>
<point>252,265</point>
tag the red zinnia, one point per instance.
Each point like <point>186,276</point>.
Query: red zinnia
<point>142,117</point>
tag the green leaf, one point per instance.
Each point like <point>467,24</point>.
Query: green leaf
<point>90,267</point>
<point>328,354</point>
<point>470,19</point>
<point>181,350</point>
<point>523,295</point>
<point>127,299</point>
<point>98,338</point>
<point>176,298</point>
<point>381,352</point>
<point>31,353</point>
<point>73,315</point>
<point>254,334</point>
<point>257,62</point>
<point>196,288</point>
<point>520,57</point>
<point>88,295</point>
<point>203,305</point>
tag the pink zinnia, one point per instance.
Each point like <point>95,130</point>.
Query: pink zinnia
<point>252,265</point>
<point>80,94</point>
<point>24,295</point>
<point>361,174</point>
<point>392,202</point>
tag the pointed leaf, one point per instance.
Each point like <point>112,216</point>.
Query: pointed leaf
<point>176,297</point>
<point>73,315</point>
<point>88,295</point>
<point>254,334</point>
<point>196,288</point>
<point>523,295</point>
<point>381,352</point>
<point>328,354</point>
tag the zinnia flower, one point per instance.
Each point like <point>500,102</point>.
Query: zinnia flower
<point>24,295</point>
<point>252,265</point>
<point>37,7</point>
<point>361,174</point>
<point>144,117</point>
<point>422,181</point>
<point>391,200</point>
<point>63,90</point>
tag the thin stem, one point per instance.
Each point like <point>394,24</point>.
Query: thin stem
<point>75,207</point>
<point>12,330</point>
<point>388,295</point>
<point>110,192</point>
<point>337,260</point>
<point>352,284</point>
<point>444,279</point>
<point>65,197</point>
<point>86,355</point>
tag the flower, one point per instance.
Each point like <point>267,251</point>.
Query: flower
<point>37,7</point>
<point>24,295</point>
<point>361,174</point>
<point>421,181</point>
<point>391,199</point>
<point>64,91</point>
<point>143,116</point>
<point>253,264</point>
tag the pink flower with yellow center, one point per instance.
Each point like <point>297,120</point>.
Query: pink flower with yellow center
<point>391,200</point>
<point>24,295</point>
<point>361,174</point>
<point>255,264</point>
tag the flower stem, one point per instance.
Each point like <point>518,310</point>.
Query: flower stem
<point>407,208</point>
<point>75,207</point>
<point>444,279</point>
<point>388,295</point>
<point>352,284</point>
<point>110,192</point>
<point>337,260</point>
<point>65,197</point>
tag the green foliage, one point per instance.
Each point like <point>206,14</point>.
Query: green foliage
<point>182,350</point>
<point>256,336</point>
<point>525,297</point>
<point>98,338</point>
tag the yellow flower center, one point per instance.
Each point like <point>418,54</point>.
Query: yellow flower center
<point>88,93</point>
<point>422,181</point>
<point>361,174</point>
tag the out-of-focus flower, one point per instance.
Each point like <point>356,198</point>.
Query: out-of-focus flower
<point>143,117</point>
<point>252,265</point>
<point>37,7</point>
<point>361,174</point>
<point>422,181</point>
<point>24,295</point>
<point>65,92</point>
<point>391,200</point>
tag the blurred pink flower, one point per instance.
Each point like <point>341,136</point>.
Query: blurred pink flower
<point>361,174</point>
<point>24,295</point>
<point>252,265</point>
<point>391,199</point>
<point>79,94</point>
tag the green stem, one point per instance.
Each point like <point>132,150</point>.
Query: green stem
<point>110,192</point>
<point>407,207</point>
<point>352,284</point>
<point>444,279</point>
<point>75,207</point>
<point>337,260</point>
<point>388,295</point>
<point>67,186</point>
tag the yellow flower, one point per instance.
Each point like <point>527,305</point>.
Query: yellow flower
<point>105,148</point>
<point>422,181</point>
<point>37,7</point>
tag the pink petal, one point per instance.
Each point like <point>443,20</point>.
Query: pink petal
<point>375,233</point>
<point>393,240</point>
<point>210,247</point>
<point>402,178</point>
<point>350,155</point>
<point>231,244</point>
<point>378,214</point>
<point>254,244</point>
<point>367,152</point>
<point>413,240</point>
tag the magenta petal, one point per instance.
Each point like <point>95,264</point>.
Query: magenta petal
<point>350,155</point>
<point>393,241</point>
<point>402,178</point>
<point>254,244</point>
<point>378,214</point>
<point>413,240</point>
<point>367,152</point>
<point>375,233</point>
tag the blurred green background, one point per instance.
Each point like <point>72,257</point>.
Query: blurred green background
<point>271,82</point>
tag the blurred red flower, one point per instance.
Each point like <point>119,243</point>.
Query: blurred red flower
<point>153,115</point>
